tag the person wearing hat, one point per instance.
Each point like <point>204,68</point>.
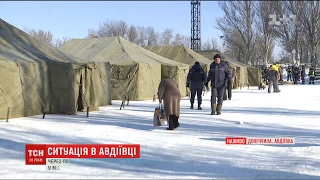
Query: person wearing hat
<point>219,75</point>
<point>273,78</point>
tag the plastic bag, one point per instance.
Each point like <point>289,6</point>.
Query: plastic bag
<point>159,117</point>
<point>207,90</point>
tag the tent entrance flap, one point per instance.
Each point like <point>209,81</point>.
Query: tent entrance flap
<point>80,97</point>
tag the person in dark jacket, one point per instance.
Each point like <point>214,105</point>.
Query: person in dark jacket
<point>219,75</point>
<point>265,74</point>
<point>303,74</point>
<point>228,92</point>
<point>169,92</point>
<point>274,75</point>
<point>289,73</point>
<point>312,74</point>
<point>296,74</point>
<point>195,80</point>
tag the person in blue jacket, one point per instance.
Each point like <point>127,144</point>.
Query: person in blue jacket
<point>219,75</point>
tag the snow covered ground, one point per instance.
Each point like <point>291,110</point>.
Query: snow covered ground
<point>195,150</point>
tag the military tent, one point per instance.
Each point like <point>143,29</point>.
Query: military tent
<point>36,77</point>
<point>136,72</point>
<point>245,75</point>
<point>181,53</point>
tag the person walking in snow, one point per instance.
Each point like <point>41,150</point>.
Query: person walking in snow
<point>169,92</point>
<point>312,75</point>
<point>280,69</point>
<point>219,75</point>
<point>289,73</point>
<point>228,92</point>
<point>273,78</point>
<point>265,77</point>
<point>296,74</point>
<point>195,80</point>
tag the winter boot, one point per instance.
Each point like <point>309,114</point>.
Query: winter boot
<point>176,122</point>
<point>171,123</point>
<point>199,106</point>
<point>191,107</point>
<point>213,109</point>
<point>219,108</point>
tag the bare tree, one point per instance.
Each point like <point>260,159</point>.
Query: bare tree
<point>178,39</point>
<point>121,28</point>
<point>59,42</point>
<point>239,19</point>
<point>92,33</point>
<point>132,34</point>
<point>309,15</point>
<point>259,53</point>
<point>106,29</point>
<point>44,36</point>
<point>142,36</point>
<point>166,37</point>
<point>186,41</point>
<point>210,44</point>
<point>110,28</point>
<point>151,36</point>
<point>234,47</point>
<point>285,57</point>
<point>265,30</point>
<point>291,35</point>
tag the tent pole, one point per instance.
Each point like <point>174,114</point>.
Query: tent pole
<point>8,112</point>
<point>127,100</point>
<point>87,111</point>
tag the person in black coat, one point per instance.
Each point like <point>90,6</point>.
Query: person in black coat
<point>312,74</point>
<point>228,92</point>
<point>265,74</point>
<point>195,81</point>
<point>296,74</point>
<point>303,74</point>
<point>219,75</point>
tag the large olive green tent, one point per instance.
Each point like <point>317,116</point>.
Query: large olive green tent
<point>245,75</point>
<point>136,72</point>
<point>36,77</point>
<point>181,53</point>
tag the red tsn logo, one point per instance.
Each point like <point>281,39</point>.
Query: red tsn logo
<point>35,154</point>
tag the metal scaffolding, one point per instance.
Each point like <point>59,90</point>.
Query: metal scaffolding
<point>195,26</point>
